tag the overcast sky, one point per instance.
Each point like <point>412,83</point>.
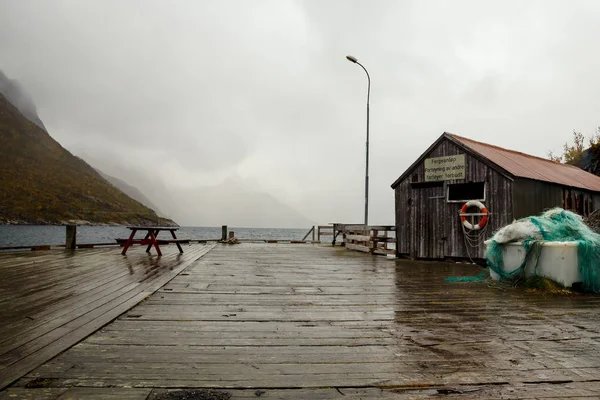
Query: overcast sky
<point>207,90</point>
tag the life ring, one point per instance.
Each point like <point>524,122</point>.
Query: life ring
<point>484,215</point>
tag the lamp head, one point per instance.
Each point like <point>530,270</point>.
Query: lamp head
<point>353,59</point>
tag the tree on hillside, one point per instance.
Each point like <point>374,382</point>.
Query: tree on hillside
<point>572,152</point>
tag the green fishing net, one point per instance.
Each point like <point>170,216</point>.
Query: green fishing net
<point>555,225</point>
<point>482,276</point>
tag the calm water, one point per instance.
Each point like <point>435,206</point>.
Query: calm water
<point>31,235</point>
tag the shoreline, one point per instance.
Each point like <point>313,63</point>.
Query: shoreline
<point>86,223</point>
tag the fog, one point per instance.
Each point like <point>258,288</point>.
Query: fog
<point>179,98</point>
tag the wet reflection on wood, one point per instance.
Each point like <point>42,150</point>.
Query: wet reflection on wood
<point>51,300</point>
<point>304,322</point>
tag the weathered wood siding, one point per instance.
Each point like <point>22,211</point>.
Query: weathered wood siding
<point>533,197</point>
<point>430,227</point>
<point>579,201</point>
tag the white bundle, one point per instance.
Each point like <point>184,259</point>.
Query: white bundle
<point>518,231</point>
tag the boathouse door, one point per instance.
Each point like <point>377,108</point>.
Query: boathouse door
<point>427,236</point>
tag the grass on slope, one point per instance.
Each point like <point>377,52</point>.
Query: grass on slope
<point>41,182</point>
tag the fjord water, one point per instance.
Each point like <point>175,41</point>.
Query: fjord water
<point>32,235</point>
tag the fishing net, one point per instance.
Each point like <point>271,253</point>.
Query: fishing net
<point>555,225</point>
<point>482,276</point>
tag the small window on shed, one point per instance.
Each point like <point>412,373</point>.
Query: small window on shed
<point>466,191</point>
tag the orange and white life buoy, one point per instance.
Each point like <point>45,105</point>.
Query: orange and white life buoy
<point>483,213</point>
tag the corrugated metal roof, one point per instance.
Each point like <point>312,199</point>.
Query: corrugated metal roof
<point>527,166</point>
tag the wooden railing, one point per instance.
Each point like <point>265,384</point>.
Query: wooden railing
<point>312,230</point>
<point>374,239</point>
<point>57,246</point>
<point>324,230</point>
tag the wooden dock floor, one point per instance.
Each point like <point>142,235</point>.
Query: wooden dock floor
<point>51,300</point>
<point>314,322</point>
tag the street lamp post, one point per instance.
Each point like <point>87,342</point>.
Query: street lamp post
<point>355,61</point>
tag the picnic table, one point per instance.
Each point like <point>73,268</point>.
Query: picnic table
<point>151,238</point>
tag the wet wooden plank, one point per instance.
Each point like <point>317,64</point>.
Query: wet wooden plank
<point>263,317</point>
<point>105,394</point>
<point>32,394</point>
<point>18,362</point>
<point>79,305</point>
<point>572,391</point>
<point>92,354</point>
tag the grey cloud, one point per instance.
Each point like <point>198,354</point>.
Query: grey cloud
<point>262,89</point>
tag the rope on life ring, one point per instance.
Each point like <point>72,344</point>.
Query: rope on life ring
<point>483,214</point>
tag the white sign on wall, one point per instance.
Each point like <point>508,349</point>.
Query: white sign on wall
<point>445,168</point>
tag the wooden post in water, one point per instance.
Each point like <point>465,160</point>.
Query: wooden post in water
<point>224,232</point>
<point>231,234</point>
<point>71,240</point>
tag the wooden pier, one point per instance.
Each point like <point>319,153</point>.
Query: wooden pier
<point>51,300</point>
<point>284,321</point>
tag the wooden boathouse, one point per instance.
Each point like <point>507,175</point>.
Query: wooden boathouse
<point>430,194</point>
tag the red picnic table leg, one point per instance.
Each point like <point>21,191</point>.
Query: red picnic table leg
<point>129,241</point>
<point>154,242</point>
<point>175,237</point>
<point>147,236</point>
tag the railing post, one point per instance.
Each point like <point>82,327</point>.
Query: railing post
<point>386,243</point>
<point>71,238</point>
<point>311,230</point>
<point>374,239</point>
<point>224,232</point>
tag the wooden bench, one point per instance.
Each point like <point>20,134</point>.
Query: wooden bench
<point>168,241</point>
<point>122,241</point>
<point>161,241</point>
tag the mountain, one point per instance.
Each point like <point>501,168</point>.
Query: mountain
<point>149,185</point>
<point>129,190</point>
<point>42,183</point>
<point>234,202</point>
<point>16,95</point>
